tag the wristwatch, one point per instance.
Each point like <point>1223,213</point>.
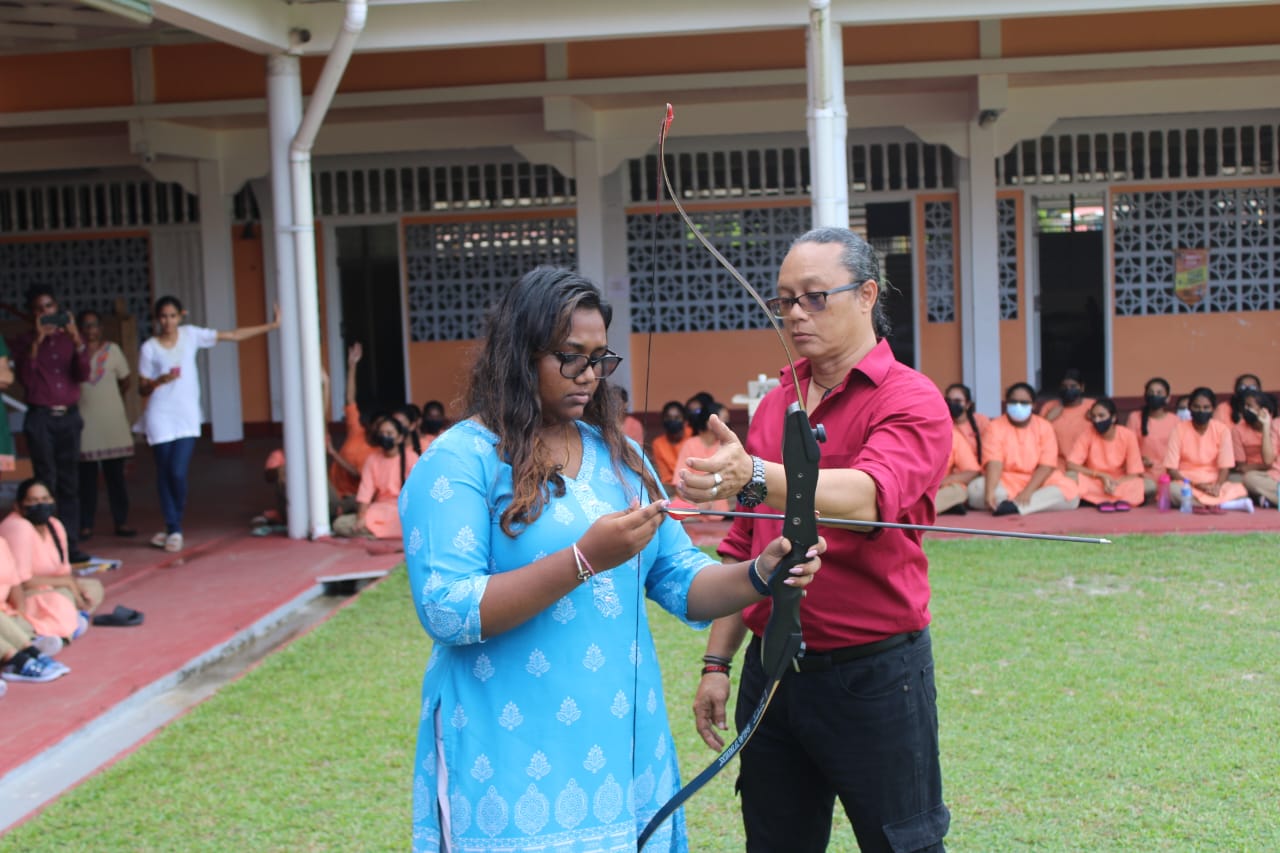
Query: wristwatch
<point>755,491</point>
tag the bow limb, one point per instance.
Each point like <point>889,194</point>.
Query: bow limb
<point>782,640</point>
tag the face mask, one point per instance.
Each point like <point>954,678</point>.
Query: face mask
<point>1184,414</point>
<point>432,425</point>
<point>1244,388</point>
<point>1103,426</point>
<point>1018,412</point>
<point>673,426</point>
<point>1155,401</point>
<point>386,442</point>
<point>1070,395</point>
<point>956,407</point>
<point>698,420</point>
<point>1201,418</point>
<point>39,513</point>
<point>1250,417</point>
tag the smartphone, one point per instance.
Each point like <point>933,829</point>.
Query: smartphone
<point>60,319</point>
<point>176,370</point>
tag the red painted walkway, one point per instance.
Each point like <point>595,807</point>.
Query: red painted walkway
<point>223,582</point>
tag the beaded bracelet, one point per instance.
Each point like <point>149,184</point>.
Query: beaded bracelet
<point>585,572</point>
<point>716,659</point>
<point>757,580</point>
<point>715,667</point>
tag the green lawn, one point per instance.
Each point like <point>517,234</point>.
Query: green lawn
<point>1092,699</point>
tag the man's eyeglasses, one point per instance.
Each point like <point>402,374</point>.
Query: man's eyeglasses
<point>574,364</point>
<point>812,303</point>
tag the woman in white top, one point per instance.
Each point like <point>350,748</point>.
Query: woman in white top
<point>168,379</point>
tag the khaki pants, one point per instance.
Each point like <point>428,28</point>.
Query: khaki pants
<point>16,634</point>
<point>1044,499</point>
<point>92,590</point>
<point>1262,485</point>
<point>951,495</point>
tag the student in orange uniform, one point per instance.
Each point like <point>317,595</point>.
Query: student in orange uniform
<point>1021,453</point>
<point>1107,462</point>
<point>1256,444</point>
<point>1068,414</point>
<point>348,461</point>
<point>700,445</point>
<point>1200,451</point>
<point>964,418</point>
<point>1228,411</point>
<point>383,476</point>
<point>1152,424</point>
<point>962,469</point>
<point>666,447</point>
<point>631,426</point>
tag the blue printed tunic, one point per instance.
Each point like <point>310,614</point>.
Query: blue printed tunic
<point>528,735</point>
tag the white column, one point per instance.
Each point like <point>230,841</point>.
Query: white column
<point>827,118</point>
<point>284,103</point>
<point>602,248</point>
<point>218,271</point>
<point>979,270</point>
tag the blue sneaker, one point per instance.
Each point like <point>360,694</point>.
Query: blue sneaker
<point>36,669</point>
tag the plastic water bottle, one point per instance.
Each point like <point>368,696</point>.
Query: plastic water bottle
<point>1162,492</point>
<point>1186,496</point>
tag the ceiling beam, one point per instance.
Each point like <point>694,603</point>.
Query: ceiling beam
<point>255,25</point>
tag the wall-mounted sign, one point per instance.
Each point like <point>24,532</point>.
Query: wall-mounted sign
<point>1190,274</point>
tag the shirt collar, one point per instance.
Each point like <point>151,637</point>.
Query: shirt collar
<point>874,365</point>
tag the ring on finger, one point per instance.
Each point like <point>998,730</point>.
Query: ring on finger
<point>715,490</point>
<point>718,478</point>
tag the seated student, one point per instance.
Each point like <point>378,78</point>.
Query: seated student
<point>348,460</point>
<point>1068,414</point>
<point>631,426</point>
<point>384,473</point>
<point>56,602</point>
<point>1228,411</point>
<point>1021,454</point>
<point>665,448</point>
<point>1200,452</point>
<point>701,444</point>
<point>1107,462</point>
<point>1152,424</point>
<point>962,469</point>
<point>24,655</point>
<point>1256,444</point>
<point>964,418</point>
<point>433,422</point>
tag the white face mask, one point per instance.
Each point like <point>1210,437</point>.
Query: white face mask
<point>1184,414</point>
<point>1018,412</point>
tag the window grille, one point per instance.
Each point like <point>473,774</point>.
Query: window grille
<point>84,274</point>
<point>1007,228</point>
<point>939,261</point>
<point>457,270</point>
<point>1237,225</point>
<point>1117,155</point>
<point>94,205</point>
<point>354,191</point>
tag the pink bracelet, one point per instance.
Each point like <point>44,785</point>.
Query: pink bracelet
<point>585,572</point>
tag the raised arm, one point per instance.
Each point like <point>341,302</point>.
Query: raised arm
<point>354,353</point>
<point>244,333</point>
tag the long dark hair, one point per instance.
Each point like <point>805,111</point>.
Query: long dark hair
<point>1146,389</point>
<point>400,431</point>
<point>968,413</point>
<point>531,319</point>
<point>1237,397</point>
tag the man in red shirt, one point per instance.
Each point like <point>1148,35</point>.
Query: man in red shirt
<point>52,361</point>
<point>858,720</point>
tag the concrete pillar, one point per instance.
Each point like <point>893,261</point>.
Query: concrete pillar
<point>218,272</point>
<point>979,270</point>
<point>602,249</point>
<point>827,119</point>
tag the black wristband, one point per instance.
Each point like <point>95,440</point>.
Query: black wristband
<point>756,580</point>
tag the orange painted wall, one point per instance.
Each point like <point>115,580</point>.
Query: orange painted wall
<point>684,363</point>
<point>207,72</point>
<point>251,310</point>
<point>1195,349</point>
<point>1171,30</point>
<point>891,43</point>
<point>473,66</point>
<point>63,81</point>
<point>440,370</point>
<point>751,51</point>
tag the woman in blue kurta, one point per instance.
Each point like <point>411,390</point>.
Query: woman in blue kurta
<point>529,529</point>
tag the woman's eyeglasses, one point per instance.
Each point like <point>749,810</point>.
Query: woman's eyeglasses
<point>574,364</point>
<point>812,303</point>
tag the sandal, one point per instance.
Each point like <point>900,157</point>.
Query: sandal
<point>1107,506</point>
<point>1122,506</point>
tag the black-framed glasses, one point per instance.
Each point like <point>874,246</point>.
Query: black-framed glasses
<point>574,364</point>
<point>812,303</point>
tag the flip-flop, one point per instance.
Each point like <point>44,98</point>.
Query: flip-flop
<point>121,617</point>
<point>1123,506</point>
<point>1108,506</point>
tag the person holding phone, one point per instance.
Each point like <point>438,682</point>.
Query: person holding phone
<point>52,361</point>
<point>167,377</point>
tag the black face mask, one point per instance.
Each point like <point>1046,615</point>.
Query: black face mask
<point>1201,418</point>
<point>673,427</point>
<point>39,513</point>
<point>1070,395</point>
<point>698,420</point>
<point>386,442</point>
<point>957,408</point>
<point>1250,417</point>
<point>1103,426</point>
<point>432,425</point>
<point>1155,401</point>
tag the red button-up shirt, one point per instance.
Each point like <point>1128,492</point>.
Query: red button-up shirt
<point>891,423</point>
<point>53,377</point>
